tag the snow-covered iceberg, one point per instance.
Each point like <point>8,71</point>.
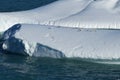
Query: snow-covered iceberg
<point>69,13</point>
<point>43,15</point>
<point>12,43</point>
<point>57,42</point>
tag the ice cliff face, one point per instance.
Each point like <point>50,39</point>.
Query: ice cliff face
<point>58,42</point>
<point>21,46</point>
<point>69,13</point>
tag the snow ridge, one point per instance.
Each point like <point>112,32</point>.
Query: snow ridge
<point>69,13</point>
<point>57,10</point>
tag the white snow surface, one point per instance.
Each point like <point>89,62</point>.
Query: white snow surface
<point>63,41</point>
<point>69,13</point>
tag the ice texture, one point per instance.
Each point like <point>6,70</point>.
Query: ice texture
<point>58,42</point>
<point>69,13</point>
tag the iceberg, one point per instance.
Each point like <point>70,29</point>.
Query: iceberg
<point>68,13</point>
<point>43,15</point>
<point>60,42</point>
<point>64,28</point>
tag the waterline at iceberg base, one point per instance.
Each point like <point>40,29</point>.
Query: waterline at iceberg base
<point>59,42</point>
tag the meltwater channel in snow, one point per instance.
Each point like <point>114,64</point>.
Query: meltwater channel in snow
<point>69,13</point>
<point>59,42</point>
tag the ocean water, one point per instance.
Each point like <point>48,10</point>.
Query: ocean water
<point>17,67</point>
<point>14,67</point>
<point>21,5</point>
